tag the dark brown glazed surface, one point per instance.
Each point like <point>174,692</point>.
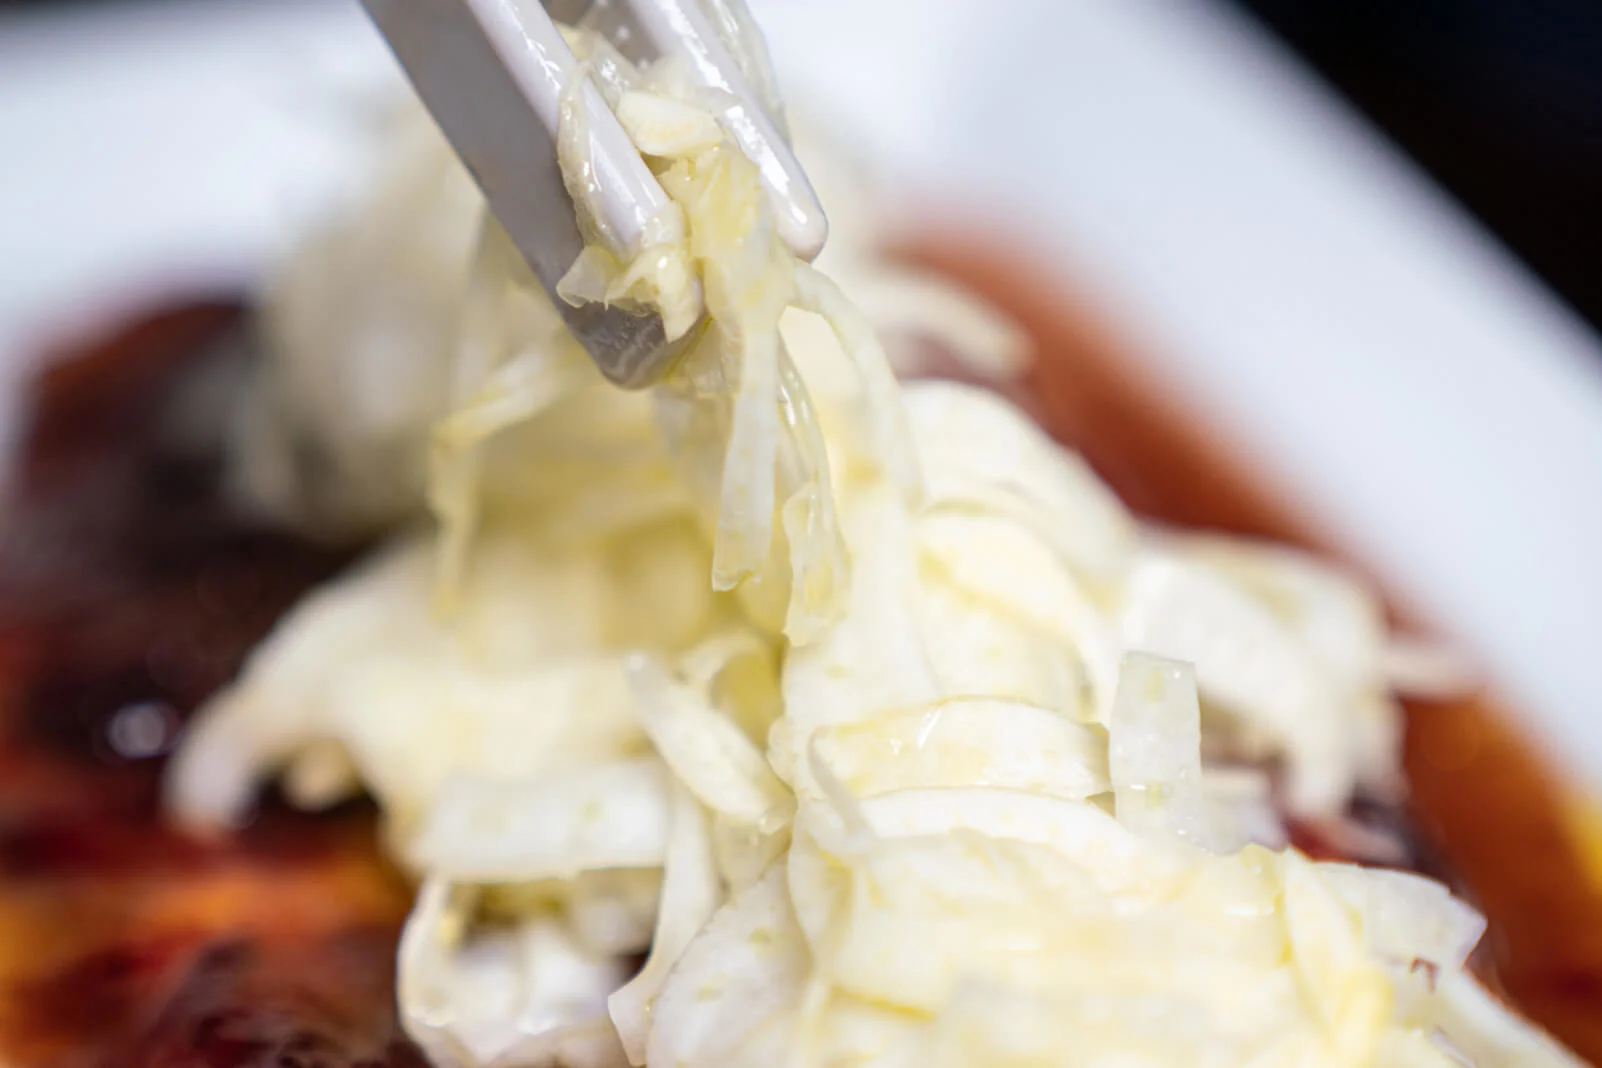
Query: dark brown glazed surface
<point>127,591</point>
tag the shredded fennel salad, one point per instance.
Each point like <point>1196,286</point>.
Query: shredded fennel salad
<point>863,713</point>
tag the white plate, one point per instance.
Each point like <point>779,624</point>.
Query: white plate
<point>1395,372</point>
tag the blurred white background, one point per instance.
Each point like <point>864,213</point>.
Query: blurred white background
<point>1395,373</point>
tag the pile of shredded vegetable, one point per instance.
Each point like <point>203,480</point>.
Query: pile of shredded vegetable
<point>864,712</point>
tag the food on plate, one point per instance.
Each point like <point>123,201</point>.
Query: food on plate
<point>866,714</point>
<point>780,713</point>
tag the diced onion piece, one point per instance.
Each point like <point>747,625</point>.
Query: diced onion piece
<point>743,853</point>
<point>743,972</point>
<point>1007,569</point>
<point>661,126</point>
<point>707,751</point>
<point>819,567</point>
<point>979,450</point>
<point>1241,809</point>
<point>610,911</point>
<point>881,395</point>
<point>1250,665</point>
<point>1154,754</point>
<point>745,512</point>
<point>1080,832</point>
<point>494,830</point>
<point>983,339</point>
<point>689,898</point>
<point>1347,991</point>
<point>1407,917</point>
<point>526,994</point>
<point>969,742</point>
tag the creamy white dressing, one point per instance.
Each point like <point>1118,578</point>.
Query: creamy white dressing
<point>844,699</point>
